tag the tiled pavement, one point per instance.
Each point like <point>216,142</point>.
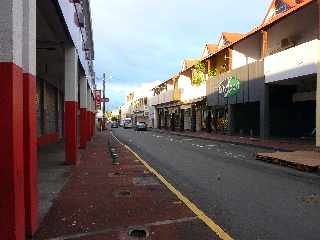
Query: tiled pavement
<point>105,201</point>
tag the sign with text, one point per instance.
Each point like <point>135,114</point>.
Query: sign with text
<point>105,100</point>
<point>98,99</point>
<point>229,87</point>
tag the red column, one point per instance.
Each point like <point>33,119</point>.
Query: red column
<point>30,152</point>
<point>83,128</point>
<point>70,131</point>
<point>94,124</point>
<point>12,212</point>
<point>88,125</point>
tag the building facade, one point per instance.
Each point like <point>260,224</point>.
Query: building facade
<point>47,94</point>
<point>276,67</point>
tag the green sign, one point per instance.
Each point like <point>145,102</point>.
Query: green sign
<point>229,87</point>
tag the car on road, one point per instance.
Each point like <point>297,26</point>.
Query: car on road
<point>127,123</point>
<point>141,126</point>
<point>114,124</point>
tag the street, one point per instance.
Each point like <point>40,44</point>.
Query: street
<point>249,199</point>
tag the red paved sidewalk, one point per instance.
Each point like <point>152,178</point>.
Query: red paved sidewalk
<point>105,201</point>
<point>276,144</point>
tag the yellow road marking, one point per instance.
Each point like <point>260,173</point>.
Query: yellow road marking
<point>200,214</point>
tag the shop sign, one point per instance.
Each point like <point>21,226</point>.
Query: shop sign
<point>98,99</point>
<point>105,100</point>
<point>229,87</point>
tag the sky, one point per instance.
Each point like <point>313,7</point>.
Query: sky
<point>139,41</point>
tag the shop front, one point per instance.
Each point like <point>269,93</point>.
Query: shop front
<point>237,101</point>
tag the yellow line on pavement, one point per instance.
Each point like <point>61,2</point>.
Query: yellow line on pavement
<point>200,214</point>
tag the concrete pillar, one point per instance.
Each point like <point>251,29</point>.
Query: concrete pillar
<point>88,114</point>
<point>29,116</point>
<point>71,105</point>
<point>12,210</point>
<point>182,120</point>
<point>231,119</point>
<point>193,118</point>
<point>209,120</point>
<point>93,116</point>
<point>159,118</point>
<point>156,117</point>
<point>265,113</point>
<point>83,111</point>
<point>318,85</point>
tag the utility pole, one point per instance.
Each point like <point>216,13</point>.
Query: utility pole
<point>104,89</point>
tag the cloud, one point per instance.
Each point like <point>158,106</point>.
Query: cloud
<point>142,40</point>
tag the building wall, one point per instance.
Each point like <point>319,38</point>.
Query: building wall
<point>300,27</point>
<point>246,51</point>
<point>190,91</point>
<point>252,82</point>
<point>49,113</point>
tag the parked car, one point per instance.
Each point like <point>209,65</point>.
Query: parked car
<point>141,126</point>
<point>121,123</point>
<point>114,124</point>
<point>127,123</point>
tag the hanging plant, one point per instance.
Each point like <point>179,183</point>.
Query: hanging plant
<point>224,68</point>
<point>198,76</point>
<point>212,72</point>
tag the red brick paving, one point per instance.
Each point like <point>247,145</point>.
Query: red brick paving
<point>89,205</point>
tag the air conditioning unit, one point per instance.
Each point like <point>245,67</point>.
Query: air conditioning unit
<point>287,43</point>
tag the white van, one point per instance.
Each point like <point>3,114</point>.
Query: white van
<point>127,123</point>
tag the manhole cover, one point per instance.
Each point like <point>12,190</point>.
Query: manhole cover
<point>145,181</point>
<point>122,193</point>
<point>138,233</point>
<point>116,174</point>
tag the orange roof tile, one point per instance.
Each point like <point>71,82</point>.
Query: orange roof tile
<point>212,47</point>
<point>290,3</point>
<point>232,37</point>
<point>265,25</point>
<point>189,62</point>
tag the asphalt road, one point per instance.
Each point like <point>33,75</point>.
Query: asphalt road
<point>248,198</point>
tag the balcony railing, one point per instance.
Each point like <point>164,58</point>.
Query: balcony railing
<point>162,98</point>
<point>294,62</point>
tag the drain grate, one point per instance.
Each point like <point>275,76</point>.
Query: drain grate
<point>123,194</point>
<point>116,174</point>
<point>138,233</point>
<point>145,181</point>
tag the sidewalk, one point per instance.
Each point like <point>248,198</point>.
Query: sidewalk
<point>299,154</point>
<point>274,144</point>
<point>105,201</point>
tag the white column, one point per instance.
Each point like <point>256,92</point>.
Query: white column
<point>318,103</point>
<point>318,84</point>
<point>71,74</point>
<point>83,93</point>
<point>83,111</point>
<point>12,209</point>
<point>29,115</point>
<point>71,105</point>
